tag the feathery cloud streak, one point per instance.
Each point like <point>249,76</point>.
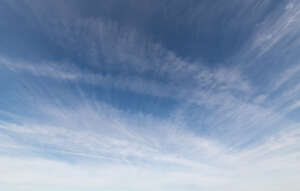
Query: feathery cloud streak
<point>96,100</point>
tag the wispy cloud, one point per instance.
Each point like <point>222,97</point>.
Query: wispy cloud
<point>278,28</point>
<point>160,159</point>
<point>61,123</point>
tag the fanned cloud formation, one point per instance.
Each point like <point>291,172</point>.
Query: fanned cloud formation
<point>149,95</point>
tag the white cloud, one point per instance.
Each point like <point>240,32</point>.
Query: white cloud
<point>193,161</point>
<point>286,26</point>
<point>114,150</point>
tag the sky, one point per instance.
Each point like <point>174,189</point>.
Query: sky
<point>157,95</point>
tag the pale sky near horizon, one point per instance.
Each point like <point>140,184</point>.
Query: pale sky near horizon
<point>160,95</point>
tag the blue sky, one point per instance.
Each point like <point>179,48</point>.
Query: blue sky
<point>142,95</point>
